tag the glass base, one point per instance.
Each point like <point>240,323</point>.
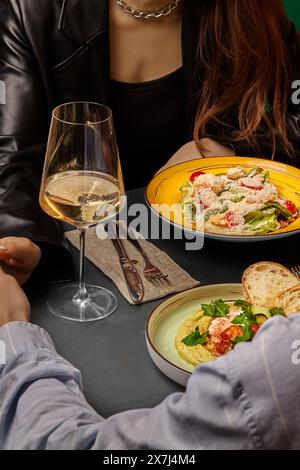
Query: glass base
<point>99,304</point>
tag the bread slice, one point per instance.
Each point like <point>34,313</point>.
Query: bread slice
<point>264,281</point>
<point>289,300</point>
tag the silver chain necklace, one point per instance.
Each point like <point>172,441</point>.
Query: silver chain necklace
<point>147,14</point>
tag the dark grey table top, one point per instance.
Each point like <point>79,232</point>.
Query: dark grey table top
<point>111,354</point>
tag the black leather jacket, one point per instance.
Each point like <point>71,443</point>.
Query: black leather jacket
<point>54,51</point>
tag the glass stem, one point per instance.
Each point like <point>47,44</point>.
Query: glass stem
<point>82,287</point>
<point>82,295</point>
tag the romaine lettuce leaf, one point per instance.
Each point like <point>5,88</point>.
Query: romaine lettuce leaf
<point>189,210</point>
<point>263,223</point>
<point>258,215</point>
<point>279,208</point>
<point>259,171</point>
<point>219,210</point>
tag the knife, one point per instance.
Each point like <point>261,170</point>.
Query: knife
<point>132,278</point>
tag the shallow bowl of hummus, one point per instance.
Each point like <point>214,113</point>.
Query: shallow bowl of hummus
<point>171,318</point>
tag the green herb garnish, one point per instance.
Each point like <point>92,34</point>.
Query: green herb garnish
<point>277,311</point>
<point>247,335</point>
<point>245,320</point>
<point>243,304</point>
<point>216,309</point>
<point>195,338</point>
<point>247,311</point>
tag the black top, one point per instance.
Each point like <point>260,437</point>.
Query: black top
<point>151,124</point>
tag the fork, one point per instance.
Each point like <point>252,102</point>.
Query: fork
<point>296,271</point>
<point>151,272</point>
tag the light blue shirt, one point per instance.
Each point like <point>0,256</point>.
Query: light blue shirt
<point>248,399</point>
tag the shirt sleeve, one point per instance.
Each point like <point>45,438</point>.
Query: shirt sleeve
<point>229,403</point>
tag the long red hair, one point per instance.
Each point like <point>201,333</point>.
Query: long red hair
<point>245,66</point>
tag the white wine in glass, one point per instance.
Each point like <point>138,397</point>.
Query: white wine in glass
<point>82,185</point>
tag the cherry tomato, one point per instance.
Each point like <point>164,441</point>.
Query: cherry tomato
<point>254,327</point>
<point>290,206</point>
<point>195,175</point>
<point>229,217</point>
<point>252,186</point>
<point>232,332</point>
<point>233,219</point>
<point>222,347</point>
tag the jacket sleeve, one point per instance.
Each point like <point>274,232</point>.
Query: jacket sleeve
<point>24,122</point>
<point>248,399</point>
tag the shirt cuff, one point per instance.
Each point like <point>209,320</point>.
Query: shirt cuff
<point>19,337</point>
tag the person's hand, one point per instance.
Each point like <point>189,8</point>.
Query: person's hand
<point>19,257</point>
<point>14,305</point>
<point>191,152</point>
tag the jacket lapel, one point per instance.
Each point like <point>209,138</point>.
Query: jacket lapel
<point>80,20</point>
<point>85,74</point>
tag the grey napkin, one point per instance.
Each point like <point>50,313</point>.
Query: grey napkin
<point>103,254</point>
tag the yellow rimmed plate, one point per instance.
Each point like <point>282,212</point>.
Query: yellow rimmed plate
<point>163,191</point>
<point>164,321</point>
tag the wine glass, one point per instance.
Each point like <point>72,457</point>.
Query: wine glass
<point>82,185</point>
